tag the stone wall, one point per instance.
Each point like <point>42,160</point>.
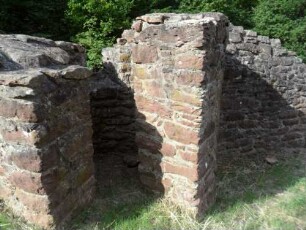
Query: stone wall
<point>169,88</point>
<point>113,117</point>
<point>264,99</point>
<point>174,64</point>
<point>46,166</point>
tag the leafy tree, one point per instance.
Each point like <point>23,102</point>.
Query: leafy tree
<point>239,11</point>
<point>97,23</point>
<point>284,19</point>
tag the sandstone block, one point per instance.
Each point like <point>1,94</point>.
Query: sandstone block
<point>141,72</point>
<point>144,54</point>
<point>148,143</point>
<point>180,96</point>
<point>149,162</point>
<point>188,78</point>
<point>189,156</point>
<point>154,89</point>
<point>189,172</point>
<point>35,203</point>
<point>35,183</point>
<point>145,104</point>
<point>187,110</point>
<point>167,149</point>
<point>23,111</point>
<point>234,37</point>
<point>153,19</point>
<point>35,160</point>
<point>192,62</point>
<point>181,134</point>
<point>137,26</point>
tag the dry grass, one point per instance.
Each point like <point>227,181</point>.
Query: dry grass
<point>251,195</point>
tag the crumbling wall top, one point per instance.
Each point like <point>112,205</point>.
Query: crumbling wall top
<point>23,52</point>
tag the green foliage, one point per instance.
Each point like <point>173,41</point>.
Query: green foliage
<point>238,11</point>
<point>97,23</point>
<point>284,19</point>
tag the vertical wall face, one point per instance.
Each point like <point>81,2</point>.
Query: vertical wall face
<point>264,101</point>
<point>113,117</point>
<point>46,167</point>
<point>174,64</point>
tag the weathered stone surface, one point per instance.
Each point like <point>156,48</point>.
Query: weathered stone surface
<point>161,95</point>
<point>144,54</point>
<point>189,62</point>
<point>260,96</point>
<point>176,73</point>
<point>153,18</point>
<point>137,26</point>
<point>44,102</point>
<point>179,134</point>
<point>23,51</point>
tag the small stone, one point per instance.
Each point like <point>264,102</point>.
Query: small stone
<point>121,41</point>
<point>270,159</point>
<point>153,19</point>
<point>131,161</point>
<point>137,26</point>
<point>234,37</point>
<point>76,72</point>
<point>250,33</point>
<point>276,43</point>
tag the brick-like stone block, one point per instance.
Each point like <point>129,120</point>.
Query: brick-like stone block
<point>189,62</point>
<point>181,134</point>
<point>40,108</point>
<point>176,74</point>
<point>144,54</point>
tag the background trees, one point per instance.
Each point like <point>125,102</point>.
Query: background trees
<point>284,19</point>
<point>96,23</point>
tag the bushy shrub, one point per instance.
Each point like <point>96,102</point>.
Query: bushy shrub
<point>96,23</point>
<point>284,19</point>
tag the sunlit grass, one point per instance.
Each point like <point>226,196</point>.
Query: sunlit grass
<point>251,195</point>
<point>4,222</point>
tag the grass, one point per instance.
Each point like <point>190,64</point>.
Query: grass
<point>4,222</point>
<point>251,195</point>
<point>8,222</point>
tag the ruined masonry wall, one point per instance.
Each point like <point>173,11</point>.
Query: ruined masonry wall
<point>264,99</point>
<point>174,64</point>
<point>176,90</point>
<point>46,166</point>
<point>113,118</point>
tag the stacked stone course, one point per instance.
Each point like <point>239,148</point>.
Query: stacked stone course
<point>46,166</point>
<point>113,117</point>
<point>264,100</point>
<point>175,90</point>
<point>174,64</point>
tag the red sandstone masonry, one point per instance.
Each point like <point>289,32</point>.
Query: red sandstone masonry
<point>174,65</point>
<point>45,132</point>
<point>177,94</point>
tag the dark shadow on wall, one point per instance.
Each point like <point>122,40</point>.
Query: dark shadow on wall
<point>121,194</point>
<point>66,151</point>
<point>47,145</point>
<point>257,125</point>
<point>115,152</point>
<point>63,152</point>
